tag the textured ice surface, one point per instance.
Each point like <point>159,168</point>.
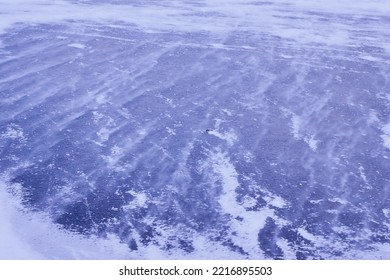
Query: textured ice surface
<point>194,129</point>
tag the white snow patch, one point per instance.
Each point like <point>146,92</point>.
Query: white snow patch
<point>339,200</point>
<point>288,251</point>
<point>248,201</point>
<point>370,58</point>
<point>12,245</point>
<point>274,200</point>
<point>386,135</point>
<point>286,56</point>
<point>104,134</point>
<point>312,142</point>
<point>230,137</point>
<point>248,156</point>
<point>101,98</point>
<point>14,132</point>
<point>77,46</point>
<point>139,200</point>
<point>373,117</point>
<point>386,212</point>
<point>316,201</point>
<point>227,112</point>
<point>363,174</point>
<point>386,47</point>
<point>246,224</point>
<point>296,124</point>
<point>97,116</point>
<point>307,235</point>
<point>26,235</point>
<point>116,154</point>
<point>170,130</point>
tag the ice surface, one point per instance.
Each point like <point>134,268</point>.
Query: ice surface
<point>194,129</point>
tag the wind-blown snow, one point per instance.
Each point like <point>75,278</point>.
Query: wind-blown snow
<point>194,129</point>
<point>288,19</point>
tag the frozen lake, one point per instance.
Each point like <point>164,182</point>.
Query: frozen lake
<point>194,129</point>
